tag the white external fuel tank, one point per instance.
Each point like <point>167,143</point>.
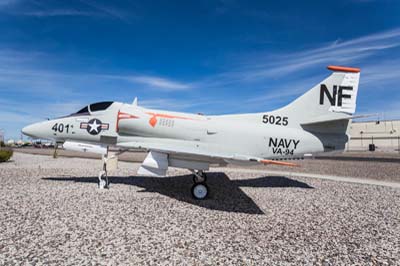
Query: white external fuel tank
<point>84,147</point>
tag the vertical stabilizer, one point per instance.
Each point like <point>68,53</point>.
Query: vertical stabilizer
<point>332,99</point>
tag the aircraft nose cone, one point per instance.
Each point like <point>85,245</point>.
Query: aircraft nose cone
<point>33,131</point>
<point>25,130</point>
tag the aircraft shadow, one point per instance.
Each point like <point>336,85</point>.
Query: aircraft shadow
<point>225,194</point>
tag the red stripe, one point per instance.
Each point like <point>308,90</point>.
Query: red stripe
<point>153,119</point>
<point>121,116</point>
<point>278,163</point>
<point>344,69</point>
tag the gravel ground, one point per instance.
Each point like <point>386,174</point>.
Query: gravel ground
<point>52,213</point>
<point>379,166</point>
<point>388,171</point>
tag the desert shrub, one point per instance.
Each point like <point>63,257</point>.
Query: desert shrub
<point>5,155</point>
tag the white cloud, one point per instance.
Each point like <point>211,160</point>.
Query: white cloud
<point>173,104</point>
<point>278,78</point>
<point>160,83</point>
<point>56,13</point>
<point>42,10</point>
<point>111,11</point>
<point>382,110</point>
<point>272,80</point>
<point>262,66</point>
<point>13,117</point>
<point>255,70</point>
<point>345,52</point>
<point>6,3</point>
<point>19,71</point>
<point>381,73</point>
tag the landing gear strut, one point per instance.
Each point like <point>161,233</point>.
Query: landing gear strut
<point>199,177</point>
<point>110,160</point>
<point>199,188</point>
<point>55,153</point>
<point>103,178</point>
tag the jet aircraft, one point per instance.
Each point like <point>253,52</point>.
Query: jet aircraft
<point>315,122</point>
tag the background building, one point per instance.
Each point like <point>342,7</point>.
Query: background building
<point>384,135</point>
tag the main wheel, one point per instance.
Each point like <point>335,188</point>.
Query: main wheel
<point>199,191</point>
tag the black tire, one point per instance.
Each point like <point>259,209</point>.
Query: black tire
<point>200,191</point>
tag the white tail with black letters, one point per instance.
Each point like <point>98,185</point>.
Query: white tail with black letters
<point>332,99</point>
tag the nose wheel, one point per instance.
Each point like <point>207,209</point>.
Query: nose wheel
<point>199,189</point>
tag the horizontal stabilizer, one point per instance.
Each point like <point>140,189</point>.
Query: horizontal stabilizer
<point>322,119</point>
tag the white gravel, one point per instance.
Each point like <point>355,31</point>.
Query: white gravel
<point>52,213</point>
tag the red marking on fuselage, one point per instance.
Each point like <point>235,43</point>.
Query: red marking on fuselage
<point>279,163</point>
<point>121,116</point>
<point>153,119</point>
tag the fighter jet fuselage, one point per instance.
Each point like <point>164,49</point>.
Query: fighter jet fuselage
<point>124,123</point>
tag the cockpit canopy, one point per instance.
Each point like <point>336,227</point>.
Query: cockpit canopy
<point>94,107</point>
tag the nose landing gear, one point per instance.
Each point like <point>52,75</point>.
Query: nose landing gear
<point>103,180</point>
<point>199,189</point>
<point>103,177</point>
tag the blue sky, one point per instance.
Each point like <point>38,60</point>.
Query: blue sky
<point>213,57</point>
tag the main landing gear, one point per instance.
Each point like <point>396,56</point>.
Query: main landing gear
<point>199,188</point>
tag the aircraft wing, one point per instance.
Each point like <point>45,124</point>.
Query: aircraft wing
<point>194,150</point>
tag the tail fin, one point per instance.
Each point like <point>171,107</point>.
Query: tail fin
<point>332,99</point>
<point>327,109</point>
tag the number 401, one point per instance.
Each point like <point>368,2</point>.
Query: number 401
<point>59,127</point>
